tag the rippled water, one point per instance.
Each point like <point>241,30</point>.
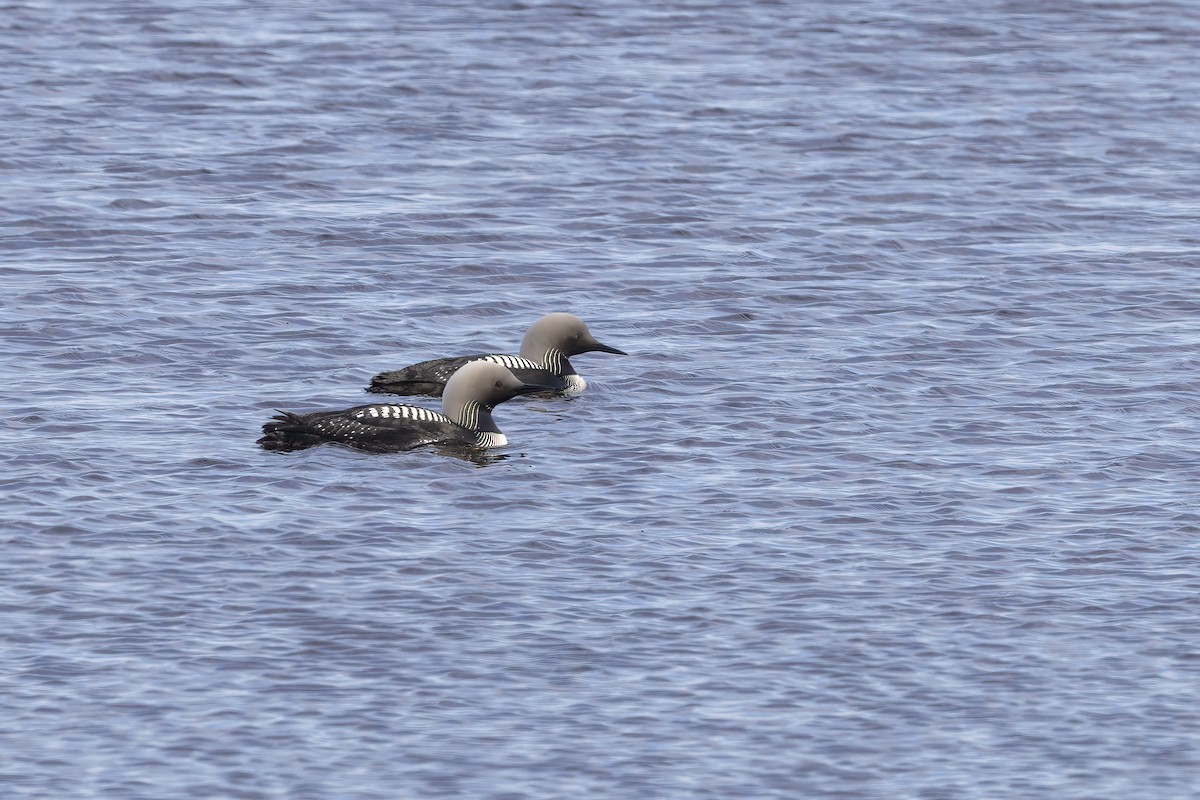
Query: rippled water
<point>895,496</point>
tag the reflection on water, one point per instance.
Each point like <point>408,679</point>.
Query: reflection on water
<point>478,457</point>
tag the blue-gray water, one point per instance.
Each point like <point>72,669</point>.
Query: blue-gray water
<point>896,494</point>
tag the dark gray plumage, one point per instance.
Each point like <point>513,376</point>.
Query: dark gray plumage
<point>466,419</point>
<point>544,359</point>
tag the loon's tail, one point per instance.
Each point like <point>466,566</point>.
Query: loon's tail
<point>288,431</point>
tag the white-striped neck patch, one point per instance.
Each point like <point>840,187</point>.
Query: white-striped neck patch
<point>556,361</point>
<point>470,415</point>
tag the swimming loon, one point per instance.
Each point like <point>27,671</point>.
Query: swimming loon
<point>544,359</point>
<point>466,419</point>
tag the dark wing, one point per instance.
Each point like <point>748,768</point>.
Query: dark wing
<point>427,378</point>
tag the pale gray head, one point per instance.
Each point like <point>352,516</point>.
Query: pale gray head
<point>478,387</point>
<point>555,337</point>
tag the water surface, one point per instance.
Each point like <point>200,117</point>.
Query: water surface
<point>894,496</point>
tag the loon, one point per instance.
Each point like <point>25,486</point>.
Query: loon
<point>466,419</point>
<point>544,352</point>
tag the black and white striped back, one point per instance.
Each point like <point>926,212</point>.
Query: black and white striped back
<point>512,362</point>
<point>401,412</point>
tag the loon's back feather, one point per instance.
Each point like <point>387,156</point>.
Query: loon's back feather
<point>426,378</point>
<point>380,428</point>
<point>429,378</point>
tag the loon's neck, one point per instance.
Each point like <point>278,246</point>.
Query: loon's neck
<point>556,361</point>
<point>478,419</point>
<point>475,417</point>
